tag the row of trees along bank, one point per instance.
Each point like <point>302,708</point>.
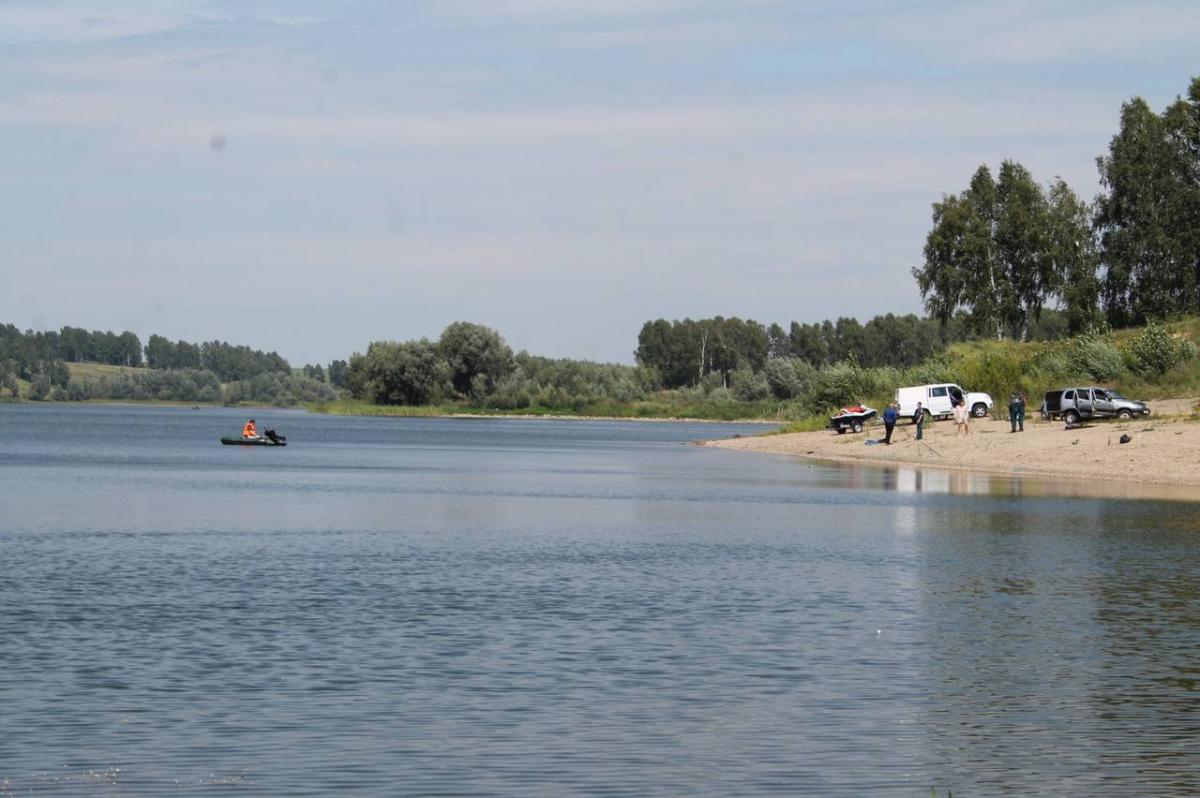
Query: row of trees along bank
<point>1005,248</point>
<point>213,371</point>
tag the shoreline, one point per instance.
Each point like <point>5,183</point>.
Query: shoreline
<point>1163,454</point>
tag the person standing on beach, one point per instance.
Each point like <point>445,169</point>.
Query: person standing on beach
<point>960,417</point>
<point>889,422</point>
<point>1015,409</point>
<point>919,420</point>
<point>1020,411</point>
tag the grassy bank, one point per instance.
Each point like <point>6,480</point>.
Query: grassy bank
<point>1154,362</point>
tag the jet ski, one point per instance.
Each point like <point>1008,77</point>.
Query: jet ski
<point>268,438</point>
<point>852,418</point>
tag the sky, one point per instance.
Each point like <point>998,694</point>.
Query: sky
<point>310,177</point>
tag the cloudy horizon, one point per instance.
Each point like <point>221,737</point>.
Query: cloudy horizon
<point>309,181</point>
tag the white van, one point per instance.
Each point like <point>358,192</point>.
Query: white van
<point>938,400</point>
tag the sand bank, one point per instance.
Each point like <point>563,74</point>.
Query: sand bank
<point>1164,450</point>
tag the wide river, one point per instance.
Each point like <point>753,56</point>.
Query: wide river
<point>545,608</point>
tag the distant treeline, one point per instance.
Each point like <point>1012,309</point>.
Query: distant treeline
<point>1006,247</point>
<point>25,352</point>
<point>179,370</point>
<point>709,367</point>
<point>472,363</point>
<point>181,385</point>
<point>685,353</point>
<point>227,361</point>
<point>28,353</point>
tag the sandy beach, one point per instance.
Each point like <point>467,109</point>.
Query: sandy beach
<point>1164,450</point>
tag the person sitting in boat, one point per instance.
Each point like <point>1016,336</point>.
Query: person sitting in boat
<point>250,431</point>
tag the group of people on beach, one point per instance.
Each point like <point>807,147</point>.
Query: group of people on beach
<point>892,413</point>
<point>961,413</point>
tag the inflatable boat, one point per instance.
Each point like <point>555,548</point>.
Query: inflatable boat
<point>270,439</point>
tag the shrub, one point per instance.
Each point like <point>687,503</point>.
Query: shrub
<point>749,385</point>
<point>847,382</point>
<point>39,387</point>
<point>1154,352</point>
<point>712,381</point>
<point>513,392</point>
<point>720,396</point>
<point>1095,357</point>
<point>789,377</point>
<point>935,369</point>
<point>996,370</point>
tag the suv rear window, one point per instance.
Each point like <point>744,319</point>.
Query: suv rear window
<point>940,391</point>
<point>1068,394</point>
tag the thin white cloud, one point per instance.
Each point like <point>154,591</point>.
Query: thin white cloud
<point>78,23</point>
<point>1036,32</point>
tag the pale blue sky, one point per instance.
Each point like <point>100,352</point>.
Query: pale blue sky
<point>308,177</point>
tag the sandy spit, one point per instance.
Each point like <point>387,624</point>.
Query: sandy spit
<point>1164,450</point>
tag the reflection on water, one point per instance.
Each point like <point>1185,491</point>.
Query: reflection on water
<point>908,479</point>
<point>532,608</point>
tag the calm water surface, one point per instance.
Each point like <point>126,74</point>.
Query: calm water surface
<point>543,608</point>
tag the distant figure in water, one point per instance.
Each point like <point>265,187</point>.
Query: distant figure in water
<point>250,431</point>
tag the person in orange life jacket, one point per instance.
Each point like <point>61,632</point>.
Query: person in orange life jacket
<point>250,431</point>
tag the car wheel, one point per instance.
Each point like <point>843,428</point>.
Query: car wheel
<point>858,427</point>
<point>840,430</point>
<point>1124,415</point>
<point>1071,417</point>
<point>979,410</point>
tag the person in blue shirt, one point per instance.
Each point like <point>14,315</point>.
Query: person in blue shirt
<point>889,422</point>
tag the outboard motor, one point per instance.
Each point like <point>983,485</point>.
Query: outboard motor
<point>275,438</point>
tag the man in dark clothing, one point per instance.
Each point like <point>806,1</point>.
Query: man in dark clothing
<point>919,420</point>
<point>889,422</point>
<point>1016,412</point>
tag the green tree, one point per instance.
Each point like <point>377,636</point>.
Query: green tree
<point>129,351</point>
<point>807,342</point>
<point>789,377</point>
<point>473,350</point>
<point>1147,216</point>
<point>961,268</point>
<point>1002,250</point>
<point>1074,257</point>
<point>39,387</point>
<point>160,353</point>
<point>391,373</point>
<point>1022,244</point>
<point>778,344</point>
<point>338,374</point>
<point>8,378</point>
<point>674,349</point>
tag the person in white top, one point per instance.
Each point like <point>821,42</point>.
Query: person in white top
<point>961,417</point>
